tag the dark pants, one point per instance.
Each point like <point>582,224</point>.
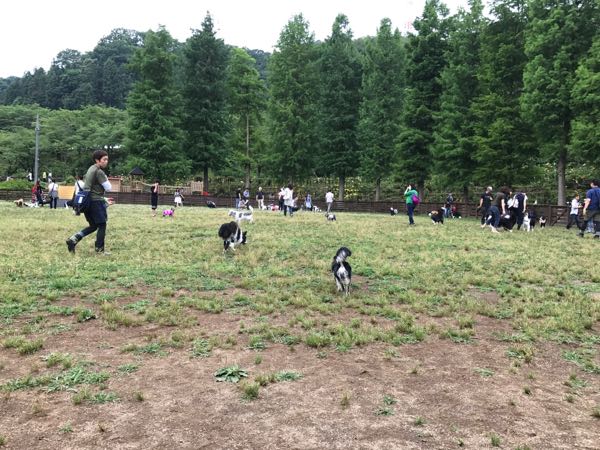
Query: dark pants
<point>594,215</point>
<point>410,210</point>
<point>520,216</point>
<point>53,202</point>
<point>287,208</point>
<point>494,214</point>
<point>484,215</point>
<point>96,217</point>
<point>574,219</point>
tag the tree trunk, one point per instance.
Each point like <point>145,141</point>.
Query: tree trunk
<point>377,189</point>
<point>205,179</point>
<point>247,180</point>
<point>561,168</point>
<point>342,188</point>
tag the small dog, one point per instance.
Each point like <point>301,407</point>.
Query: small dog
<point>238,216</point>
<point>330,216</point>
<point>508,221</point>
<point>169,212</point>
<point>437,216</point>
<point>543,221</point>
<point>342,272</point>
<point>211,204</point>
<point>19,203</point>
<point>316,209</point>
<point>393,212</point>
<point>232,235</point>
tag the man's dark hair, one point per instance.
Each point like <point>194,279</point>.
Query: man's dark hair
<point>596,183</point>
<point>290,186</point>
<point>99,154</point>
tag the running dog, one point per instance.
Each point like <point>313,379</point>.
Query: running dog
<point>232,235</point>
<point>169,212</point>
<point>393,212</point>
<point>238,216</point>
<point>342,272</point>
<point>437,216</point>
<point>330,217</point>
<point>211,204</point>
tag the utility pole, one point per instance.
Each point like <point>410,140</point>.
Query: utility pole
<point>37,148</point>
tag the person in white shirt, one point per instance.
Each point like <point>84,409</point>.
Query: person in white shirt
<point>574,214</point>
<point>329,200</point>
<point>288,200</point>
<point>178,198</point>
<point>53,194</point>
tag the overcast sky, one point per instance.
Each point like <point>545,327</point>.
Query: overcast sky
<point>32,32</point>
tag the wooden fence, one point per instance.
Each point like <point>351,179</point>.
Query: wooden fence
<point>555,214</point>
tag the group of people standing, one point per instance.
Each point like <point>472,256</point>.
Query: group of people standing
<point>287,200</point>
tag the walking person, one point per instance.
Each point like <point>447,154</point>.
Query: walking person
<point>329,200</point>
<point>53,194</point>
<point>178,198</point>
<point>520,206</point>
<point>448,206</point>
<point>36,190</point>
<point>154,189</point>
<point>308,202</point>
<point>574,214</point>
<point>591,208</point>
<point>238,198</point>
<point>409,193</point>
<point>281,203</point>
<point>96,182</point>
<point>288,200</point>
<point>260,198</point>
<point>485,202</point>
<point>498,205</point>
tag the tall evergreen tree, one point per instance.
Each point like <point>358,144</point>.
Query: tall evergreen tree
<point>247,99</point>
<point>154,135</point>
<point>454,145</point>
<point>426,60</point>
<point>585,143</point>
<point>381,106</point>
<point>293,81</point>
<point>558,34</point>
<point>505,151</point>
<point>339,100</point>
<point>205,93</point>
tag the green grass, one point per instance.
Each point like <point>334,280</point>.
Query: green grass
<point>413,286</point>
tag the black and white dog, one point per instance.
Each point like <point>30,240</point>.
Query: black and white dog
<point>342,272</point>
<point>393,211</point>
<point>232,235</point>
<point>238,216</point>
<point>437,216</point>
<point>211,204</point>
<point>330,216</point>
<point>508,221</point>
<point>543,221</point>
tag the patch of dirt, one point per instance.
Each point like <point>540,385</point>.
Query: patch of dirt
<point>184,407</point>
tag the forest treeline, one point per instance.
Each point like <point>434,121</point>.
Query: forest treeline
<point>506,96</point>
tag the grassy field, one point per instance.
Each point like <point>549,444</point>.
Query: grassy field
<point>451,337</point>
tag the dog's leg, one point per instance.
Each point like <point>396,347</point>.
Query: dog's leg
<point>338,285</point>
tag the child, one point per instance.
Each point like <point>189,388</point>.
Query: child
<point>178,198</point>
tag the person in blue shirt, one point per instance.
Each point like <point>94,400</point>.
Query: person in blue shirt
<point>591,208</point>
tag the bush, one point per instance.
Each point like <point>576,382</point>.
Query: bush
<point>16,185</point>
